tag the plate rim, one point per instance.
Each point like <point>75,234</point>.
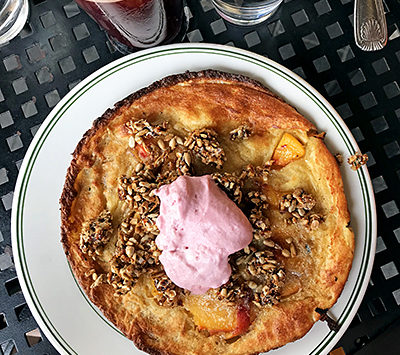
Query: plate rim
<point>56,114</point>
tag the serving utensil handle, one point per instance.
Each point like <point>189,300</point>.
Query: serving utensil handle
<point>370,29</point>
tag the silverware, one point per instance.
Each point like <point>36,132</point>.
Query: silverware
<point>370,29</point>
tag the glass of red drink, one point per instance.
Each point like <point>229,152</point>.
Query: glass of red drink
<point>137,24</point>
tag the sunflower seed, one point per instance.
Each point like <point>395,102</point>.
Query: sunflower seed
<point>293,252</point>
<point>131,142</point>
<point>161,144</point>
<point>285,253</point>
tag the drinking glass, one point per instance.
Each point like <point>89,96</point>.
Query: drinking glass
<point>246,12</point>
<point>137,24</point>
<point>13,15</point>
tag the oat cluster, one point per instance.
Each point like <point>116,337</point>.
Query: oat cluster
<point>138,192</point>
<point>298,205</point>
<point>168,292</point>
<point>257,217</point>
<point>142,129</point>
<point>204,143</point>
<point>242,132</point>
<point>183,163</point>
<point>135,254</point>
<point>357,160</point>
<point>231,184</point>
<point>96,234</point>
<point>260,172</point>
<point>261,273</point>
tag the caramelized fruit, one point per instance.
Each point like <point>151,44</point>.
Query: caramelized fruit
<point>287,150</point>
<point>218,316</point>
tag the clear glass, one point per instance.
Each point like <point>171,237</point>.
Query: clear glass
<point>138,24</point>
<point>246,12</point>
<point>13,15</point>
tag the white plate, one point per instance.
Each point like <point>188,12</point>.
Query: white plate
<point>70,322</point>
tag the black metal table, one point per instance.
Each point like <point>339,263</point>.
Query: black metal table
<point>60,45</point>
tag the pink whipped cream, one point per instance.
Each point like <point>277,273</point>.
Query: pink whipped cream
<point>199,228</point>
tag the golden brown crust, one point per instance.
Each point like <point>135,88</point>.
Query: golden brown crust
<point>222,101</point>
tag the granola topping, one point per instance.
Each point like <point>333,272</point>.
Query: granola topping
<point>143,129</point>
<point>163,156</point>
<point>256,276</point>
<point>357,160</point>
<point>205,145</point>
<point>259,173</point>
<point>135,254</point>
<point>183,163</point>
<point>260,223</point>
<point>230,184</point>
<point>96,234</point>
<point>242,132</point>
<point>137,191</point>
<point>299,204</point>
<point>168,293</point>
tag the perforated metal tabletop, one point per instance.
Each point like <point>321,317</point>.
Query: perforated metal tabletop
<point>60,45</point>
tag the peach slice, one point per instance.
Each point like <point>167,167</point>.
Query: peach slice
<point>218,316</point>
<point>288,150</point>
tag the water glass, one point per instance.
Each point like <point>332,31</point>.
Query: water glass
<point>246,12</point>
<point>13,15</point>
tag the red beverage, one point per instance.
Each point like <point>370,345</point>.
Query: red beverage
<point>138,24</point>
